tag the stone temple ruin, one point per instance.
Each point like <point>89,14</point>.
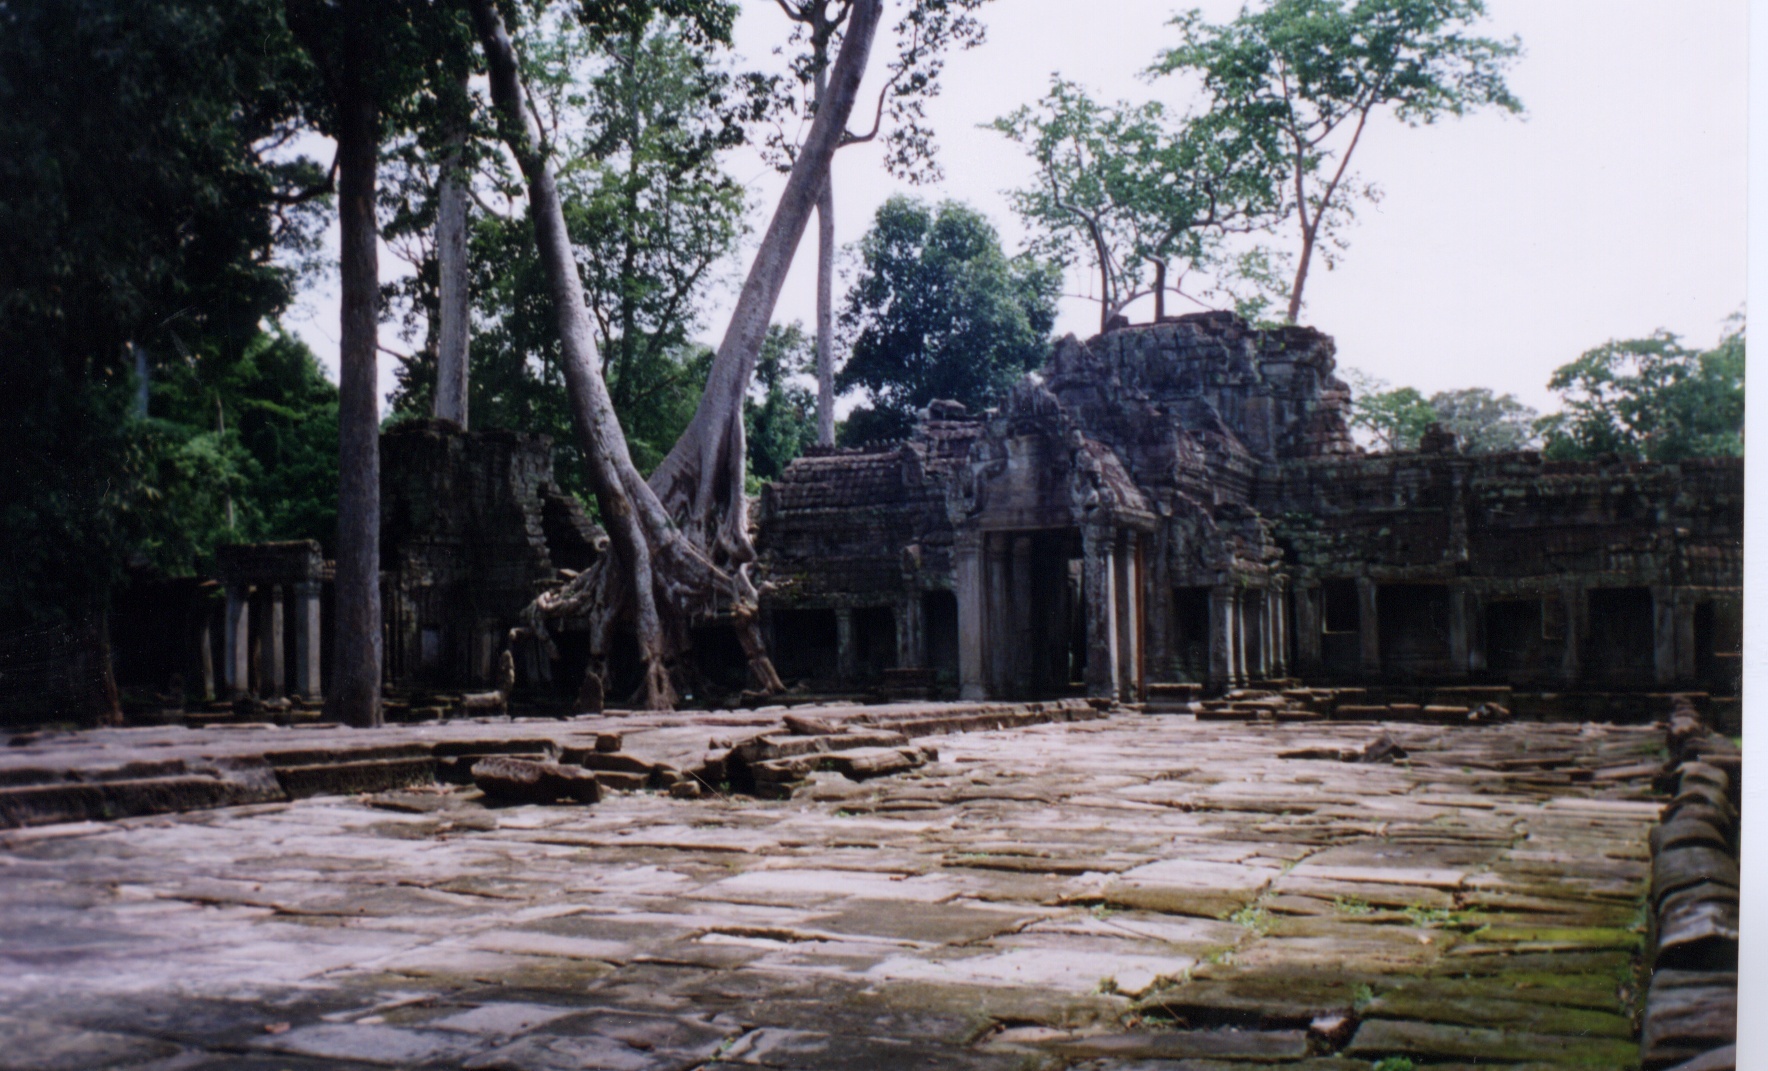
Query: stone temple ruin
<point>1162,513</point>
<point>1181,503</point>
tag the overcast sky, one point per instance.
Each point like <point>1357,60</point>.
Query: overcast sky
<point>1503,247</point>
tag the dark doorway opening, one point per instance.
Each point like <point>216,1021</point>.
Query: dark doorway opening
<point>806,645</point>
<point>939,615</point>
<point>1414,628</point>
<point>1341,644</point>
<point>1620,648</point>
<point>1191,633</point>
<point>1516,640</point>
<point>874,642</point>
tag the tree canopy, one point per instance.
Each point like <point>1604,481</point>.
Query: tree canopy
<point>149,210</point>
<point>1651,399</point>
<point>1312,73</point>
<point>1396,418</point>
<point>939,311</point>
<point>1130,189</point>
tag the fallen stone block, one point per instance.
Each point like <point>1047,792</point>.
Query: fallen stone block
<point>1681,867</point>
<point>1687,1013</point>
<point>1380,1038</point>
<point>862,763</point>
<point>1697,929</point>
<point>1721,1059</point>
<point>617,780</point>
<point>511,780</point>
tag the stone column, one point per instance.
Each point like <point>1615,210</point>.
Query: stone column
<point>1685,653</point>
<point>1221,638</point>
<point>1021,625</point>
<point>1307,628</point>
<point>1101,591</point>
<point>972,618</point>
<point>307,640</point>
<point>1571,665</point>
<point>1242,665</point>
<point>1663,634</point>
<point>1458,630</point>
<point>275,678</point>
<point>1127,593</point>
<point>1261,622</point>
<point>206,655</point>
<point>237,670</point>
<point>846,658</point>
<point>997,656</point>
<point>1368,629</point>
<point>1279,631</point>
<point>1476,630</point>
<point>909,629</point>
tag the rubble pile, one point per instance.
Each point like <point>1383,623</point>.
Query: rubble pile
<point>1690,1020</point>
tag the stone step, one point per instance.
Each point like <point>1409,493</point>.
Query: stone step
<point>351,777</point>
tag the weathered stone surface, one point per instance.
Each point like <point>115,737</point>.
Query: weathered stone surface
<point>943,918</point>
<point>1439,1042</point>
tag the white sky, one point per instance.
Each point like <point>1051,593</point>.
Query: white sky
<point>1503,248</point>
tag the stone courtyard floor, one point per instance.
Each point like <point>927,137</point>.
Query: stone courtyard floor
<point>1146,892</point>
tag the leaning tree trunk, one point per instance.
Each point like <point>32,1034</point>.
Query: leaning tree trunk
<point>356,658</point>
<point>825,292</point>
<point>679,542</point>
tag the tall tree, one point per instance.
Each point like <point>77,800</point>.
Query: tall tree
<point>679,543</point>
<point>927,31</point>
<point>1129,188</point>
<point>938,311</point>
<point>1652,399</point>
<point>373,58</point>
<point>1316,71</point>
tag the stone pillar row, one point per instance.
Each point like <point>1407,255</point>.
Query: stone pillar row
<point>275,676</point>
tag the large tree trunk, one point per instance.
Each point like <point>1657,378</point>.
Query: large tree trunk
<point>451,265</point>
<point>679,543</point>
<point>356,659</point>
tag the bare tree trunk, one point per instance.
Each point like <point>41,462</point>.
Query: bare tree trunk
<point>1301,275</point>
<point>356,692</point>
<point>825,315</point>
<point>451,264</point>
<point>680,546</point>
<point>825,293</point>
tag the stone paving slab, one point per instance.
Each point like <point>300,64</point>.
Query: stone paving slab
<point>1147,892</point>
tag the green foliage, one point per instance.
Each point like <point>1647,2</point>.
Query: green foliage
<point>1395,1063</point>
<point>1309,74</point>
<point>143,208</point>
<point>636,120</point>
<point>238,451</point>
<point>939,312</point>
<point>1485,423</point>
<point>1392,417</point>
<point>779,418</point>
<point>1652,399</point>
<point>1124,187</point>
